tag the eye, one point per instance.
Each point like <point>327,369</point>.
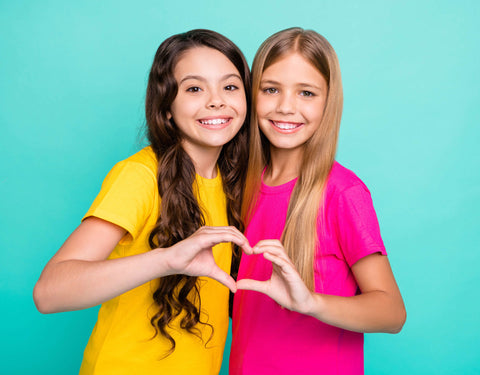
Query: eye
<point>307,93</point>
<point>194,89</point>
<point>231,88</point>
<point>270,90</point>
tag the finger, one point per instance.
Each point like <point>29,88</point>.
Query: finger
<point>246,248</point>
<point>219,229</point>
<point>281,263</point>
<point>263,248</point>
<point>214,238</point>
<point>230,229</point>
<point>211,236</point>
<point>216,235</point>
<point>270,242</point>
<point>272,248</point>
<point>255,285</point>
<point>275,245</point>
<point>223,278</point>
<point>246,244</point>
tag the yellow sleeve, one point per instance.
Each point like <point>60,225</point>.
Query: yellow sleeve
<point>126,198</point>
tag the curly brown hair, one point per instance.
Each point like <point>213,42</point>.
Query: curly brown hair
<point>180,215</point>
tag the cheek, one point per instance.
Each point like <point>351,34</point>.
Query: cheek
<point>263,123</point>
<point>263,106</point>
<point>241,106</point>
<point>182,108</point>
<point>315,111</point>
<point>175,109</point>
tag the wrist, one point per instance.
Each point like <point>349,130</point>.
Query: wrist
<point>160,260</point>
<point>315,305</point>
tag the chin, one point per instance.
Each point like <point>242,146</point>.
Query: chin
<point>219,141</point>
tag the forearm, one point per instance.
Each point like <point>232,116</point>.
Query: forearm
<point>80,276</point>
<point>373,311</point>
<point>78,284</point>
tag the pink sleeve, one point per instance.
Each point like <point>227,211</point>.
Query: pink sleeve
<point>357,224</point>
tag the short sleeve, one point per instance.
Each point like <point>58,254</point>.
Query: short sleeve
<point>357,224</point>
<point>126,197</point>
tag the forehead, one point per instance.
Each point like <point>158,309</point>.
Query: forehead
<point>293,68</point>
<point>204,61</point>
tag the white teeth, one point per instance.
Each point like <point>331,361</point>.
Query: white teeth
<point>286,126</point>
<point>216,121</point>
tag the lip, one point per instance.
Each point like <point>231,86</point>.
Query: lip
<point>286,127</point>
<point>215,122</point>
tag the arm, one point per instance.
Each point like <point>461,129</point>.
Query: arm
<point>379,307</point>
<point>80,276</point>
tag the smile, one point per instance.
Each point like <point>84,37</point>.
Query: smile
<point>286,127</point>
<point>215,123</point>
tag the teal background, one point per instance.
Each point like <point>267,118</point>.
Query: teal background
<point>72,85</point>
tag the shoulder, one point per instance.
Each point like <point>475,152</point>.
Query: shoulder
<point>129,195</point>
<point>144,159</point>
<point>140,169</point>
<point>341,180</point>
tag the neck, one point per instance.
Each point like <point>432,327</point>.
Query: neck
<point>204,159</point>
<point>284,166</point>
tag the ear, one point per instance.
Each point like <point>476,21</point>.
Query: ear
<point>169,115</point>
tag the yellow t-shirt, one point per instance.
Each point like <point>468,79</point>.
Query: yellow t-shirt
<point>121,342</point>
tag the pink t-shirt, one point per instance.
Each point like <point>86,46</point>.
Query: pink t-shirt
<point>268,339</point>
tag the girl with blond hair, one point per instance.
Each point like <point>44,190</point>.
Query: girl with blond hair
<point>319,276</point>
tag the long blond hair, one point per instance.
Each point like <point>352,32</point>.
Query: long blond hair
<point>300,237</point>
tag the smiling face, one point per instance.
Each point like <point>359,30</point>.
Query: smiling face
<point>290,102</point>
<point>210,106</point>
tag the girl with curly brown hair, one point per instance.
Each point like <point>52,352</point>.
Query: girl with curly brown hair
<point>160,229</point>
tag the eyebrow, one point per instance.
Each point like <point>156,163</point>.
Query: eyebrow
<point>301,84</point>
<point>201,78</point>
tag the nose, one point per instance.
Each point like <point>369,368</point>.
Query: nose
<point>215,100</point>
<point>286,103</point>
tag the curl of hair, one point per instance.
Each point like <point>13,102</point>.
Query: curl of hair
<point>179,214</point>
<point>299,237</point>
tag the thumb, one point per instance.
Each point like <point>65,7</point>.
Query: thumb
<point>255,285</point>
<point>223,278</point>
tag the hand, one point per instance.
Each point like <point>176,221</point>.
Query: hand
<point>285,286</point>
<point>193,256</point>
